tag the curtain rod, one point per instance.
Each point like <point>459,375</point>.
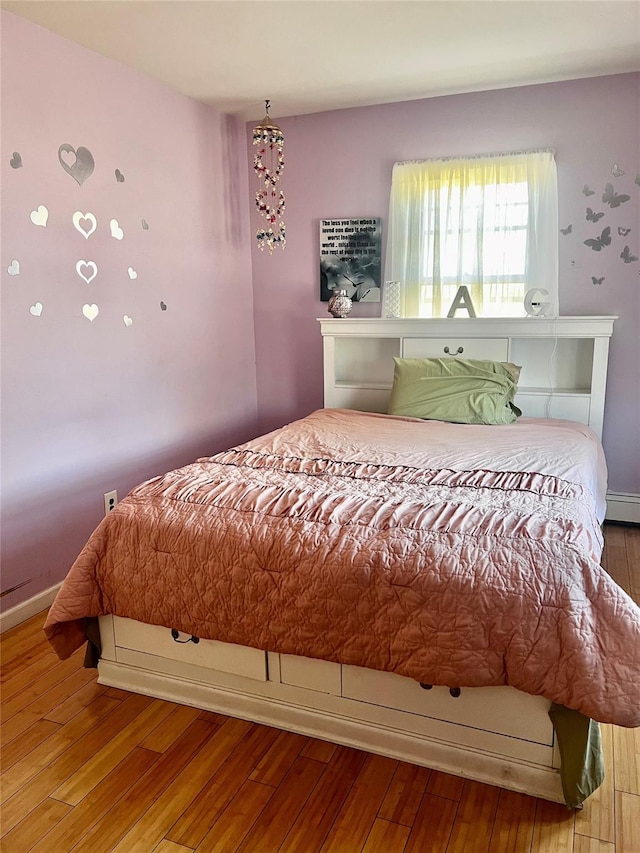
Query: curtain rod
<point>477,156</point>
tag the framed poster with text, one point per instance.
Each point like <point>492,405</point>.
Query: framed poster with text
<point>350,258</point>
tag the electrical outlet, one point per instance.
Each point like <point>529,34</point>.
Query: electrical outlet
<point>110,500</point>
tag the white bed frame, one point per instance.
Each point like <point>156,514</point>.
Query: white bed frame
<point>496,735</point>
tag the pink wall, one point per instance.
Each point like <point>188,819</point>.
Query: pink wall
<point>338,165</point>
<point>92,406</point>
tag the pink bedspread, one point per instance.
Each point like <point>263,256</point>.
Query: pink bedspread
<point>453,554</point>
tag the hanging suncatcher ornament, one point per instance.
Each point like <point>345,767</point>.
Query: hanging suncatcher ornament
<point>268,164</point>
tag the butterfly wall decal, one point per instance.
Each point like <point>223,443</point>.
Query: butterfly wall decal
<point>566,230</point>
<point>612,198</point>
<point>626,255</point>
<point>599,242</point>
<point>595,280</point>
<point>622,232</point>
<point>587,191</point>
<point>616,171</point>
<point>593,217</point>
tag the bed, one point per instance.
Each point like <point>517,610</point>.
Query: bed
<point>425,590</point>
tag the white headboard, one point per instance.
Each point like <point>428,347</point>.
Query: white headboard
<point>564,360</point>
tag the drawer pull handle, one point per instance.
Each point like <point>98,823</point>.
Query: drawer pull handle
<point>454,691</point>
<point>459,351</point>
<point>176,636</point>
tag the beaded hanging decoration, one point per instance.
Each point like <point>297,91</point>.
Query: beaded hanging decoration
<point>268,164</point>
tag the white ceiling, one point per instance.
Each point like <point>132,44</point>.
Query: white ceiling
<point>314,55</point>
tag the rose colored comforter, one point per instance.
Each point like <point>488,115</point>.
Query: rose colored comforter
<point>453,554</point>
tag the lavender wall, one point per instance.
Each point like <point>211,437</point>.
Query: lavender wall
<point>92,406</point>
<point>338,165</point>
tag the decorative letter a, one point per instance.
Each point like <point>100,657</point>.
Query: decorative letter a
<point>462,300</point>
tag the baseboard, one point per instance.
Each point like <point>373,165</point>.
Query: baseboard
<point>26,609</point>
<point>623,507</point>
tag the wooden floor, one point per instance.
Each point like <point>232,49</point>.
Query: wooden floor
<point>90,768</point>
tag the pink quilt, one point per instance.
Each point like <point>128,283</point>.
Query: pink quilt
<point>454,554</point>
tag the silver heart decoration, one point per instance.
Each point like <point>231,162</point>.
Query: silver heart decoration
<point>145,225</point>
<point>119,176</point>
<point>127,320</point>
<point>163,306</point>
<point>14,268</point>
<point>90,312</point>
<point>116,230</point>
<point>132,273</point>
<point>79,218</point>
<point>40,216</point>
<point>88,265</point>
<point>16,160</point>
<point>36,309</point>
<point>83,165</point>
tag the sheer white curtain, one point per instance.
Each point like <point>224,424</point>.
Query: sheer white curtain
<point>490,223</point>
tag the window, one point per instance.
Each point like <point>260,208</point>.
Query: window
<point>490,223</point>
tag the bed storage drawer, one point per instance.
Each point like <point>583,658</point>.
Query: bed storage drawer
<point>492,349</point>
<point>158,641</point>
<point>323,676</point>
<point>503,713</point>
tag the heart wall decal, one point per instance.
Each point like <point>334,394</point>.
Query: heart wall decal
<point>116,230</point>
<point>132,273</point>
<point>90,312</point>
<point>79,220</point>
<point>14,268</point>
<point>83,163</point>
<point>119,176</point>
<point>127,320</point>
<point>145,225</point>
<point>81,266</point>
<point>36,310</point>
<point>40,216</point>
<point>16,161</point>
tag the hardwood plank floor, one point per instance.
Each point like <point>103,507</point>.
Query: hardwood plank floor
<point>89,768</point>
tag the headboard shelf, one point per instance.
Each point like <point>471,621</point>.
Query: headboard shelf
<point>561,392</point>
<point>563,359</point>
<point>376,386</point>
<point>536,327</point>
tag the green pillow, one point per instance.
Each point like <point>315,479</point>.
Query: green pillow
<point>462,391</point>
